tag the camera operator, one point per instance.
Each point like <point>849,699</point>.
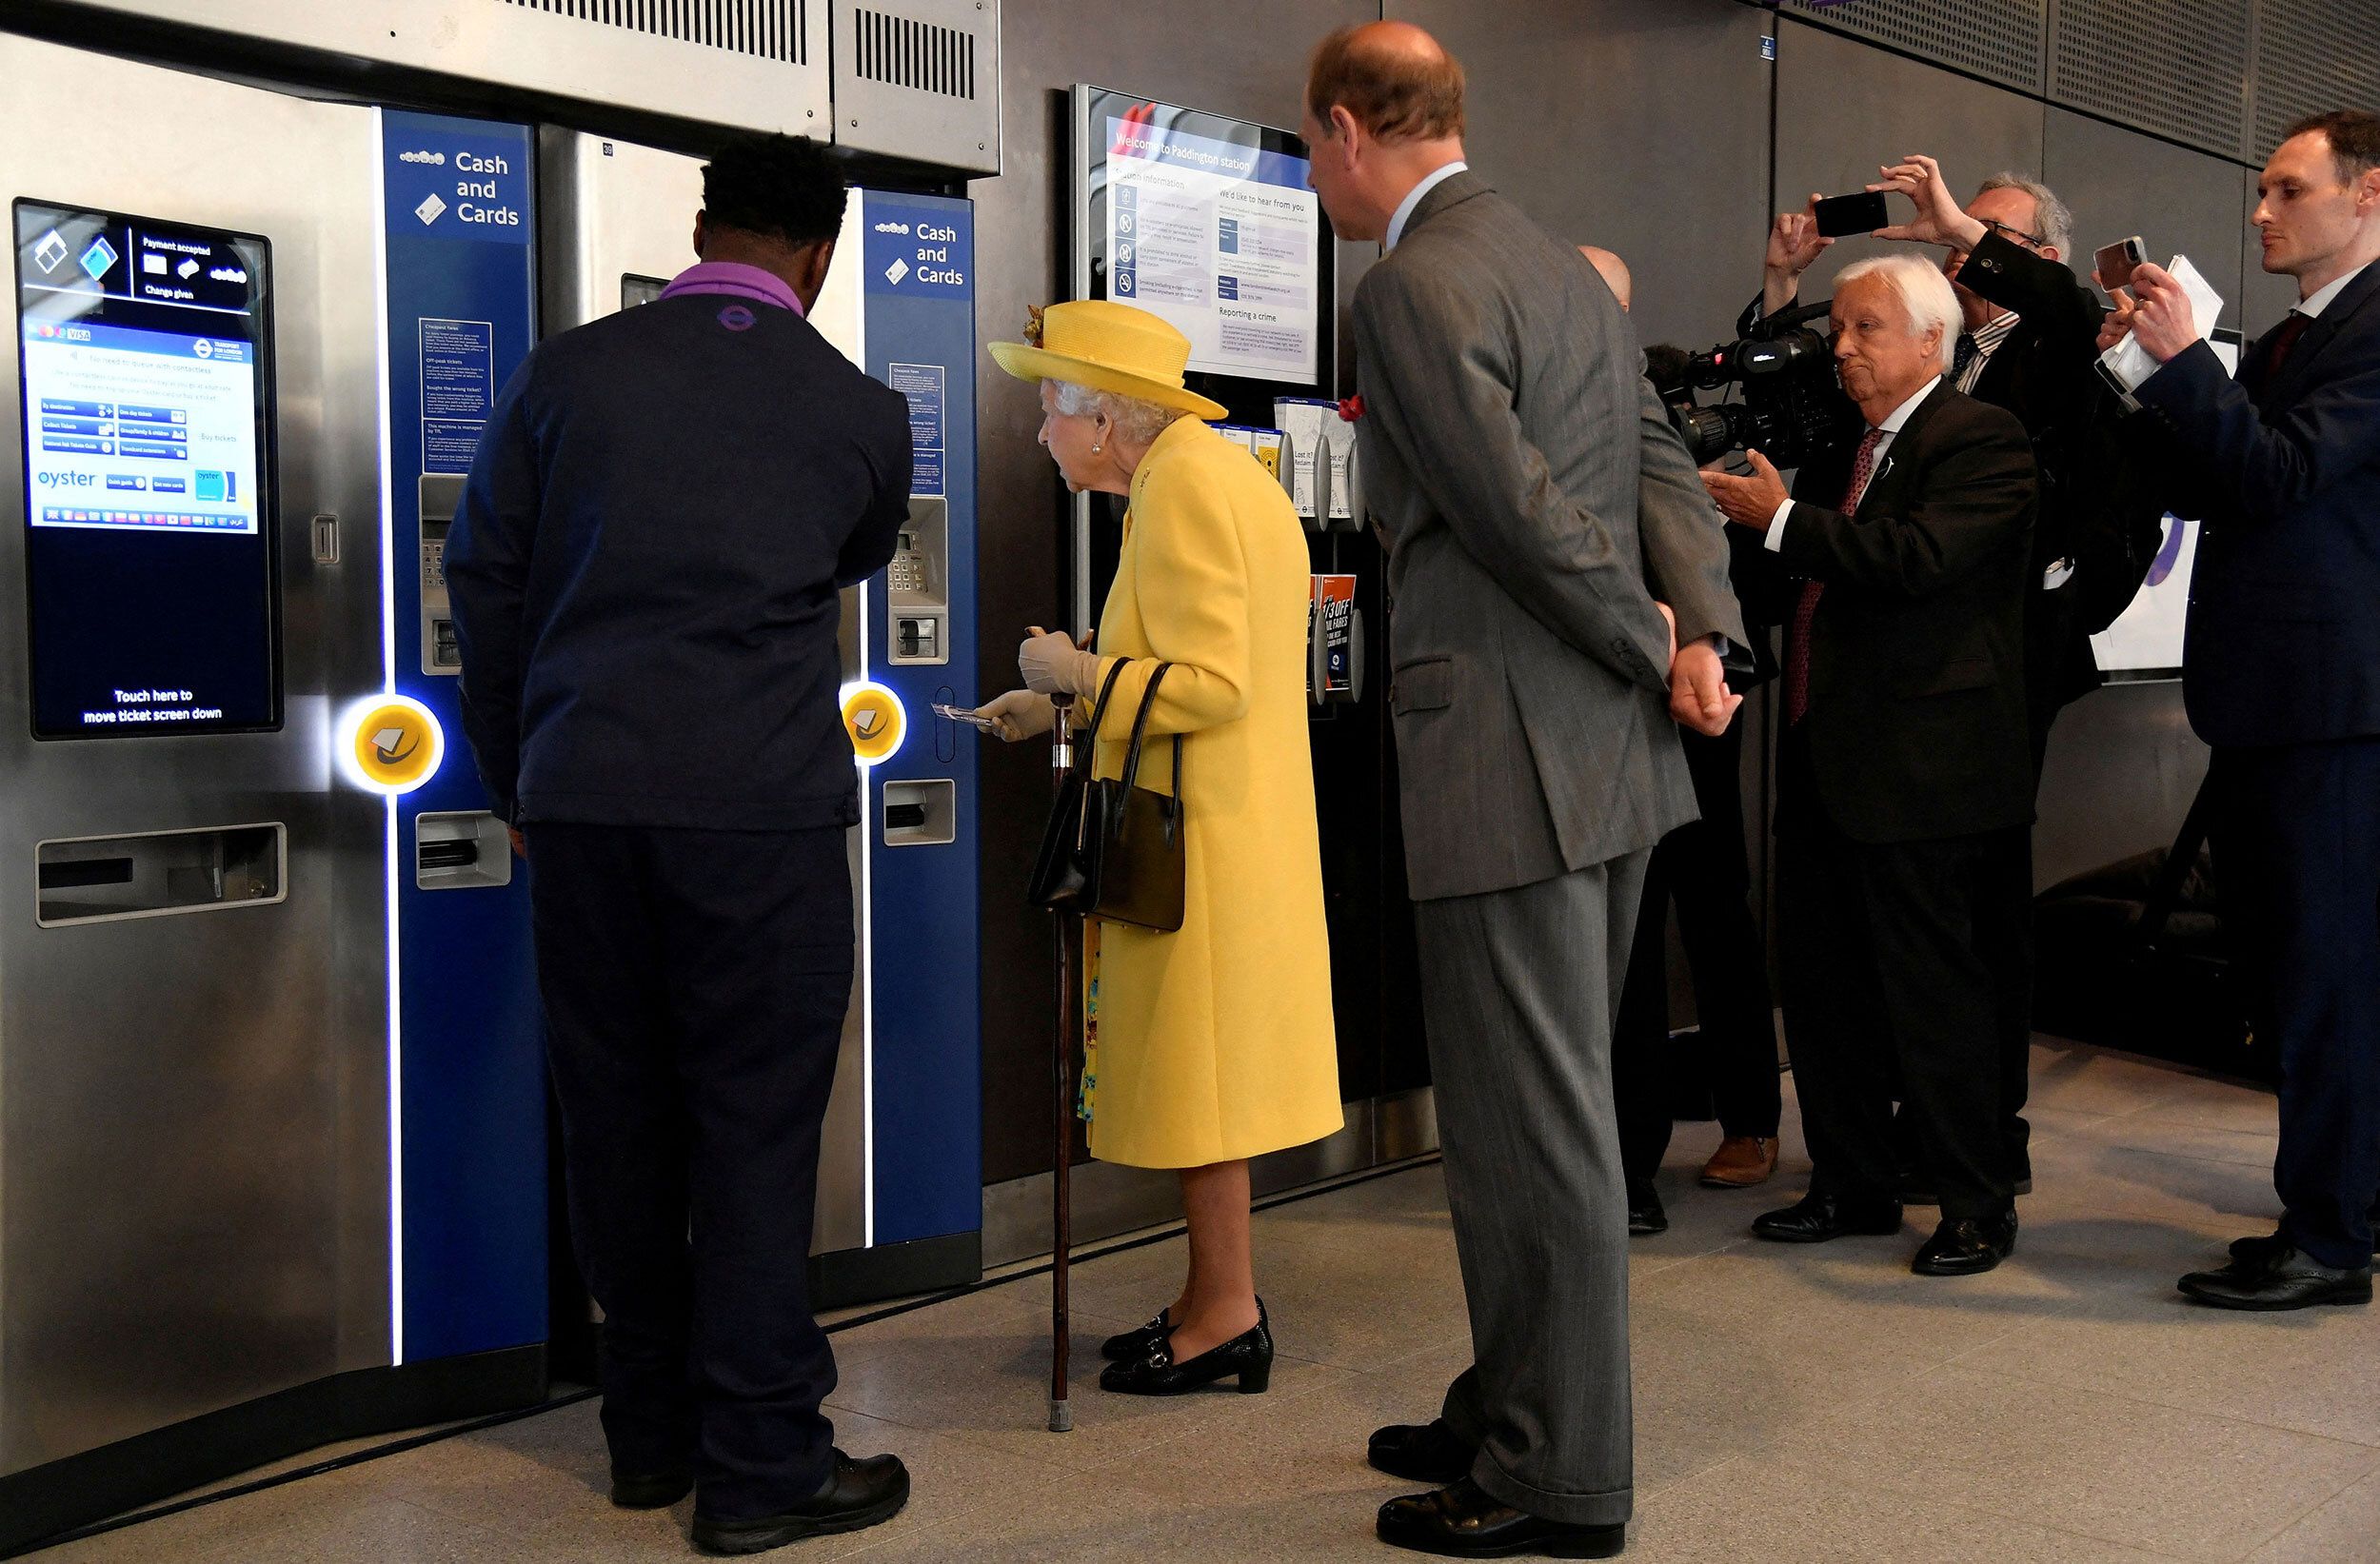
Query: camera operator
<point>1899,567</point>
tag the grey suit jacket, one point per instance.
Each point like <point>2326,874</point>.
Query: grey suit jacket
<point>1528,483</point>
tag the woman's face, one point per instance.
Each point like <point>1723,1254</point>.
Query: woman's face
<point>1070,437</point>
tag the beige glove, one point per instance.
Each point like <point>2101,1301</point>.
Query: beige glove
<point>1021,714</point>
<point>1052,663</point>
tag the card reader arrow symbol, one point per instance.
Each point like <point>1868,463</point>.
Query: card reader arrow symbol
<point>867,723</point>
<point>393,744</point>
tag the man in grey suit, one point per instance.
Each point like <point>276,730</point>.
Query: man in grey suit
<point>1536,505</point>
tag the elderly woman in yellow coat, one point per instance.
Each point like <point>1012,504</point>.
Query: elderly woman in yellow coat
<point>1215,1043</point>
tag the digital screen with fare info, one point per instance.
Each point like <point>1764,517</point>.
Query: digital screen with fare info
<point>143,368</point>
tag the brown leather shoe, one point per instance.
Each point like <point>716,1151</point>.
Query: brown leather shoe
<point>1741,1162</point>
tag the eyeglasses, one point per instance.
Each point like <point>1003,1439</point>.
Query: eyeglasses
<point>2036,240</point>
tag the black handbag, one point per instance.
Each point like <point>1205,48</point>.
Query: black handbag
<point>1112,849</point>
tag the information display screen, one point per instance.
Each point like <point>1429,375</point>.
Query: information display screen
<point>144,359</point>
<point>1209,223</point>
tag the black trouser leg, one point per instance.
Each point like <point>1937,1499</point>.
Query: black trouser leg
<point>1842,1075</point>
<point>2297,863</point>
<point>1641,1034</point>
<point>750,949</point>
<point>1710,878</point>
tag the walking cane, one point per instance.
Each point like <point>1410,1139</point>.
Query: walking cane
<point>1069,935</point>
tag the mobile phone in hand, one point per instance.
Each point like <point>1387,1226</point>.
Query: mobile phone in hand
<point>2116,262</point>
<point>1846,214</point>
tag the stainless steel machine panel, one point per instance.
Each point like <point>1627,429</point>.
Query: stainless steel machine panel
<point>919,79</point>
<point>193,1109</point>
<point>758,65</point>
<point>616,222</point>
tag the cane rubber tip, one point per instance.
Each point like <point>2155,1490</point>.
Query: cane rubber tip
<point>1061,1419</point>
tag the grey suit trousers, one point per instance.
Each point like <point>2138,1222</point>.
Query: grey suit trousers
<point>1519,989</point>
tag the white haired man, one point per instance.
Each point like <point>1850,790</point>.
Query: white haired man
<point>1905,796</point>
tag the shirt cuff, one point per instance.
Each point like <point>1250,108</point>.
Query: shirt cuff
<point>1774,541</point>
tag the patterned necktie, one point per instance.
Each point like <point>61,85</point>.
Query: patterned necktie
<point>1806,606</point>
<point>1961,356</point>
<point>2284,339</point>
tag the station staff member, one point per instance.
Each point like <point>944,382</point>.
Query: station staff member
<point>645,571</point>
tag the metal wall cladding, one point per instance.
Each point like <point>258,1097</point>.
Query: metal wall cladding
<point>1999,40</point>
<point>919,79</point>
<point>2174,67</point>
<point>2312,56</point>
<point>774,29</point>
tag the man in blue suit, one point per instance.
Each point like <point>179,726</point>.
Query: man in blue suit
<point>2281,673</point>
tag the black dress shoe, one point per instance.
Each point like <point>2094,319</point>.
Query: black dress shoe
<point>1126,1345</point>
<point>1249,1354</point>
<point>856,1495</point>
<point>1815,1219</point>
<point>1465,1521</point>
<point>1431,1452</point>
<point>1967,1246</point>
<point>650,1490</point>
<point>1645,1214</point>
<point>2277,1276</point>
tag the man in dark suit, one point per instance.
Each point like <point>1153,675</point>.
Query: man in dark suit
<point>2281,675</point>
<point>1905,798</point>
<point>646,569</point>
<point>1529,495</point>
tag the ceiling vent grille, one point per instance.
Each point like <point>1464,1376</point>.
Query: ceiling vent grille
<point>767,30</point>
<point>901,51</point>
<point>2313,56</point>
<point>2174,68</point>
<point>1999,40</point>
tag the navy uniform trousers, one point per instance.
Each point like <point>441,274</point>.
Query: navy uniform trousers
<point>695,985</point>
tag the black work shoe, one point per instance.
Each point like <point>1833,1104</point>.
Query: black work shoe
<point>2275,1276</point>
<point>1645,1214</point>
<point>1967,1246</point>
<point>1126,1345</point>
<point>1249,1356</point>
<point>1816,1218</point>
<point>1429,1452</point>
<point>1465,1521</point>
<point>856,1495</point>
<point>650,1490</point>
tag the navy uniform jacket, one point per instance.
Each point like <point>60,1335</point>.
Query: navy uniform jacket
<point>646,569</point>
<point>2282,644</point>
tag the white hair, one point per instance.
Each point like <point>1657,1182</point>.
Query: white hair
<point>2056,223</point>
<point>1925,293</point>
<point>1139,422</point>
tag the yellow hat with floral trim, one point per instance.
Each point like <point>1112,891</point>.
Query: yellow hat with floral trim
<point>1108,347</point>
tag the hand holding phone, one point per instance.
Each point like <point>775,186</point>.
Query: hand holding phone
<point>1839,215</point>
<point>2114,265</point>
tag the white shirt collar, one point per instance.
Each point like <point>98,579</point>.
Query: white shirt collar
<point>2320,300</point>
<point>1900,414</point>
<point>1430,181</point>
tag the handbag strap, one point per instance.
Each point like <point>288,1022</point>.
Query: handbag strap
<point>1098,715</point>
<point>1139,731</point>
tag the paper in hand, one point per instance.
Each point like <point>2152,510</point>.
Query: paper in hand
<point>2128,363</point>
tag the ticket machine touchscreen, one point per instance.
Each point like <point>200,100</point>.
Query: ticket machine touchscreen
<point>144,358</point>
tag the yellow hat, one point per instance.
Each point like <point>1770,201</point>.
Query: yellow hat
<point>1107,346</point>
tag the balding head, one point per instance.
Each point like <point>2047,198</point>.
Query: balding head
<point>1614,269</point>
<point>1396,81</point>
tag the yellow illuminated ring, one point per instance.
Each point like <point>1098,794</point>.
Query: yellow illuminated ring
<point>390,743</point>
<point>874,720</point>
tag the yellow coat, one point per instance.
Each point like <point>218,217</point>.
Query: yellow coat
<point>1217,1041</point>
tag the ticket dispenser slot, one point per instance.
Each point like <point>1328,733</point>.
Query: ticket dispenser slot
<point>101,878</point>
<point>460,850</point>
<point>918,587</point>
<point>920,814</point>
<point>441,493</point>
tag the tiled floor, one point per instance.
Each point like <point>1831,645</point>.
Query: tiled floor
<point>1791,1404</point>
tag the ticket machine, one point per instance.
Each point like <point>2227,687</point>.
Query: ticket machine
<point>900,1182</point>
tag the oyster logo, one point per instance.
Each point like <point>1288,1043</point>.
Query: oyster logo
<point>434,159</point>
<point>892,227</point>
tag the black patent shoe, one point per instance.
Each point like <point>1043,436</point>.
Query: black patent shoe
<point>650,1490</point>
<point>1129,1346</point>
<point>1968,1246</point>
<point>1248,1355</point>
<point>856,1495</point>
<point>1465,1521</point>
<point>1429,1452</point>
<point>1645,1212</point>
<point>2275,1276</point>
<point>1818,1219</point>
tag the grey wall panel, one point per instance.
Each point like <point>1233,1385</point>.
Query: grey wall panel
<point>1237,57</point>
<point>2119,183</point>
<point>1843,108</point>
<point>2122,768</point>
<point>2178,68</point>
<point>1638,125</point>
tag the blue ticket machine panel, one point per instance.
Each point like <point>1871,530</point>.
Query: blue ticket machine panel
<point>145,355</point>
